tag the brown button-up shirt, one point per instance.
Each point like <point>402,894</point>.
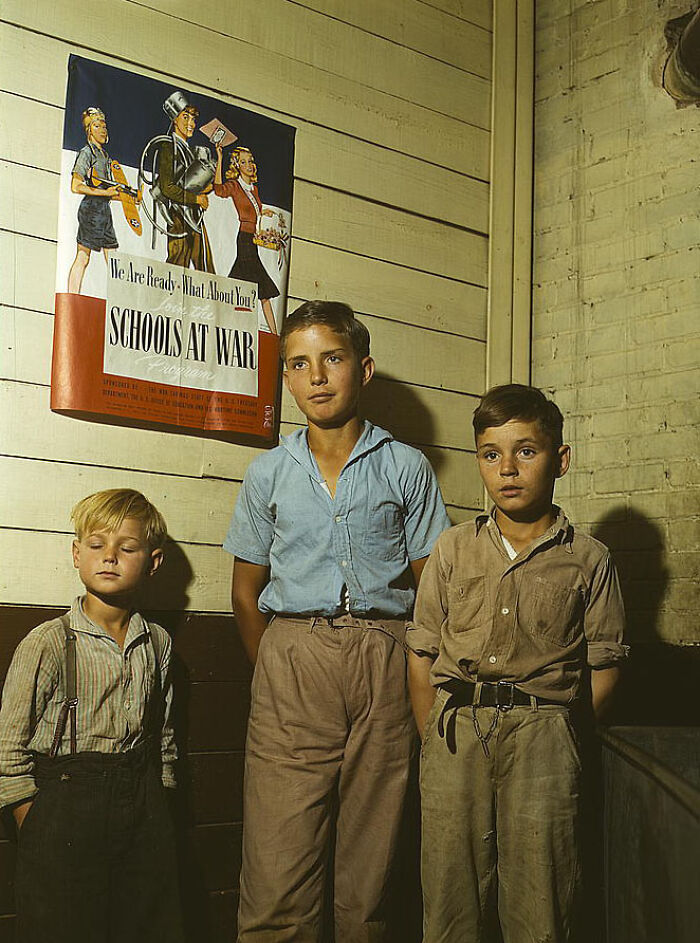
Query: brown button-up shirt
<point>535,620</point>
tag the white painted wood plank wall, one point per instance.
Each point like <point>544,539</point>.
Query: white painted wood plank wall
<point>391,101</point>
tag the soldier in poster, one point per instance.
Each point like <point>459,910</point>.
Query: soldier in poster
<point>184,174</point>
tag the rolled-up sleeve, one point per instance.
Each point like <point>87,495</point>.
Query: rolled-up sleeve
<point>31,681</point>
<point>426,517</point>
<point>604,623</point>
<point>252,527</point>
<point>425,630</point>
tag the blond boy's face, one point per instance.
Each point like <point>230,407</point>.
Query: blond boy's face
<point>113,564</point>
<point>323,374</point>
<point>519,464</point>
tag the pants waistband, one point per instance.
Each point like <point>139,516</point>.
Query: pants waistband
<point>502,694</point>
<point>343,620</point>
<point>395,629</point>
<point>89,763</point>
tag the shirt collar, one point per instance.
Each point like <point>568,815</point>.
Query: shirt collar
<point>561,531</point>
<point>81,623</point>
<point>297,444</point>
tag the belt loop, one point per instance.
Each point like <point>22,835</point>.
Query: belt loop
<point>533,704</point>
<point>312,624</point>
<point>476,701</point>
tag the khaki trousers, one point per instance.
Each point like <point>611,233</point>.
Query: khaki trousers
<point>330,739</point>
<point>500,833</point>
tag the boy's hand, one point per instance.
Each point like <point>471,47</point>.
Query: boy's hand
<point>20,811</point>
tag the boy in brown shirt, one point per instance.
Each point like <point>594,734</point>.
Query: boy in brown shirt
<point>511,609</point>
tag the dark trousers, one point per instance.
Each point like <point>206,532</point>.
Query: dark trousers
<point>96,856</point>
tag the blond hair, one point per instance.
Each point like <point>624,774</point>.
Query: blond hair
<point>109,509</point>
<point>234,168</point>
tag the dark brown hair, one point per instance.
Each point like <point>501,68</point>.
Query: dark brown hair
<point>500,404</point>
<point>338,316</point>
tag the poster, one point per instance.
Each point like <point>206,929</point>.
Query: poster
<point>175,220</point>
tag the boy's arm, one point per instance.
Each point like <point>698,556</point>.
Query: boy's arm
<point>603,683</point>
<point>426,517</point>
<point>604,627</point>
<point>168,747</point>
<point>417,567</point>
<point>248,581</point>
<point>421,690</point>
<point>30,683</point>
<point>424,634</point>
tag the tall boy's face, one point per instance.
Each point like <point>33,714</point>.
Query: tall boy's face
<point>519,464</point>
<point>323,374</point>
<point>113,564</point>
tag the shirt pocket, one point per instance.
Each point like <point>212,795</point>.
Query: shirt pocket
<point>465,599</point>
<point>553,611</point>
<point>384,536</point>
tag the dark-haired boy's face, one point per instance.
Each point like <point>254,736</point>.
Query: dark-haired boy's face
<point>324,375</point>
<point>519,464</point>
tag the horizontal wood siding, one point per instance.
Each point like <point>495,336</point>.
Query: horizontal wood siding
<point>391,102</point>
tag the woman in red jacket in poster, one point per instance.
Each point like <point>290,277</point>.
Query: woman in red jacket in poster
<point>241,186</point>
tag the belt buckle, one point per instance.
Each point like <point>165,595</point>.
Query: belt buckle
<point>510,703</point>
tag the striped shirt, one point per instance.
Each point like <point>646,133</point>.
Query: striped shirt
<point>115,711</point>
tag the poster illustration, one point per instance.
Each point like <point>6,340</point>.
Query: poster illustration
<point>173,254</point>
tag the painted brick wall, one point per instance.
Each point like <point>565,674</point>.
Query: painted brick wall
<point>617,296</point>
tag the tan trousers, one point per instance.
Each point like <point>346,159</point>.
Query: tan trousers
<point>500,833</point>
<point>329,742</point>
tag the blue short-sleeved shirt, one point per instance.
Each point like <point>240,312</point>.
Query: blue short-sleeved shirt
<point>387,511</point>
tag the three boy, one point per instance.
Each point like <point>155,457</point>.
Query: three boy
<point>86,745</point>
<point>512,610</point>
<point>330,534</point>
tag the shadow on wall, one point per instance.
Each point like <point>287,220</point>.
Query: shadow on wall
<point>207,857</point>
<point>394,406</point>
<point>660,682</point>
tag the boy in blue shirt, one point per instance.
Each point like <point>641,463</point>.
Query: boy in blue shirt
<point>514,609</point>
<point>330,534</point>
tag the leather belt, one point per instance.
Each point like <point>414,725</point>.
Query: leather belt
<point>502,695</point>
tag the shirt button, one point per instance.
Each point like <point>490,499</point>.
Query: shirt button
<point>343,562</point>
<point>505,611</point>
<point>492,659</point>
<point>338,518</point>
<point>127,705</point>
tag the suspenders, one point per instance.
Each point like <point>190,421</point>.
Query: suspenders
<point>70,703</point>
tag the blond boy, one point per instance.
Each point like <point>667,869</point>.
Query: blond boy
<point>86,745</point>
